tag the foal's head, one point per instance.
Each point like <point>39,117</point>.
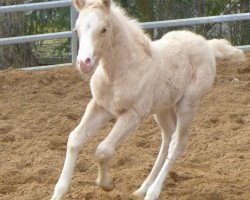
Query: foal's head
<point>93,28</point>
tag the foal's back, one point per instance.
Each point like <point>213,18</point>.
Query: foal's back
<point>184,48</point>
<point>182,57</point>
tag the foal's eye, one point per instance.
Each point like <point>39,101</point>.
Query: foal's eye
<point>104,30</point>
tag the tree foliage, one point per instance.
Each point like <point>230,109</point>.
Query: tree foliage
<point>56,20</point>
<point>48,21</point>
<point>11,24</point>
<point>150,10</point>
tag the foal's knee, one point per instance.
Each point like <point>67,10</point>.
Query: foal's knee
<point>74,143</point>
<point>104,152</point>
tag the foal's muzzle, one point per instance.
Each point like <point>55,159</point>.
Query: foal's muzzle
<point>84,65</point>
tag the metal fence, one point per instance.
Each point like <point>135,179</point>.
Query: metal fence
<point>72,34</point>
<point>47,36</point>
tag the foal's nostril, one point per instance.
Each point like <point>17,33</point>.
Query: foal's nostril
<point>88,61</point>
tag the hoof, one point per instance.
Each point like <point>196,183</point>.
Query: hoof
<point>107,188</point>
<point>55,197</point>
<point>106,185</point>
<point>152,196</point>
<point>139,193</point>
<point>60,191</point>
<point>149,197</point>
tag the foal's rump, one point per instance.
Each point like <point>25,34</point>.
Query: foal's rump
<point>190,60</point>
<point>194,44</point>
<point>183,58</point>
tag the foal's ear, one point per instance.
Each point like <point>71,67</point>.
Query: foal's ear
<point>79,4</point>
<point>106,3</point>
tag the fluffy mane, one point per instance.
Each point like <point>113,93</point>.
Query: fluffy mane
<point>132,28</point>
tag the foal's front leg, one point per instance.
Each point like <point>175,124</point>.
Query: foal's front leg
<point>93,119</point>
<point>125,124</point>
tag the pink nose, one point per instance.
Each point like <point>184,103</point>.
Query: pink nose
<point>88,61</point>
<point>84,65</point>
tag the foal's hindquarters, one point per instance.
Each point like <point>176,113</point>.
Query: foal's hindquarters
<point>199,63</point>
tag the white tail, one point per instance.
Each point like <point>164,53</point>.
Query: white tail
<point>223,49</point>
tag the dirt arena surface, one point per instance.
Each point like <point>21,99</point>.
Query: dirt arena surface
<point>39,109</point>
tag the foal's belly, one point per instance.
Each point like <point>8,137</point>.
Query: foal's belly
<point>164,101</point>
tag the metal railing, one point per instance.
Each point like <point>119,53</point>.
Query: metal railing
<point>46,36</point>
<point>72,34</point>
<point>196,21</point>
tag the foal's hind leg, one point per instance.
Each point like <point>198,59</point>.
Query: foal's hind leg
<point>167,121</point>
<point>185,111</point>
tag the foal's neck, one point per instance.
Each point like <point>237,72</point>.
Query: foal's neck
<point>116,57</point>
<point>128,42</point>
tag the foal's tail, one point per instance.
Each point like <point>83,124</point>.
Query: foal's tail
<point>223,49</point>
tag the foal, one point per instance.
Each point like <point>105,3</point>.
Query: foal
<point>133,78</point>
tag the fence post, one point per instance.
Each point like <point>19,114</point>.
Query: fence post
<point>74,43</point>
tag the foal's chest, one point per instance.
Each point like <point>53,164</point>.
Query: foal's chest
<point>115,98</point>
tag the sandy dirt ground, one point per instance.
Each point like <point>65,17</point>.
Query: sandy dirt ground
<point>39,109</point>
